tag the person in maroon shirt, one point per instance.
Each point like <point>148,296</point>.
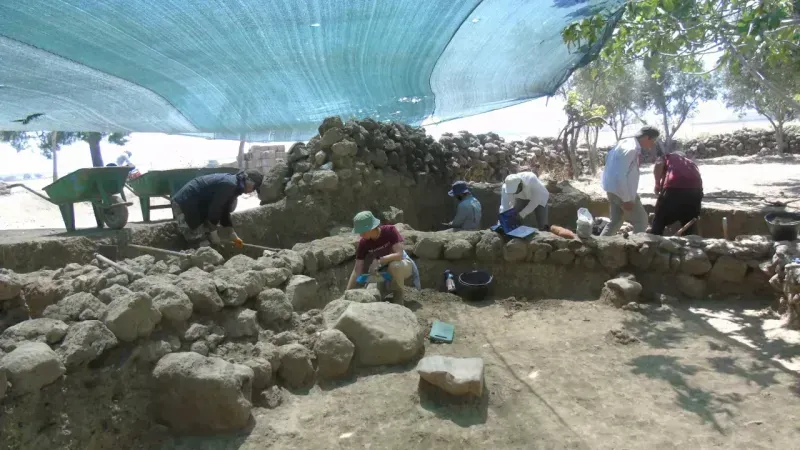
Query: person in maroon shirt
<point>679,187</point>
<point>384,245</point>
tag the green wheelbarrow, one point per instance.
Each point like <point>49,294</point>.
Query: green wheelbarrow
<point>101,186</point>
<point>165,183</point>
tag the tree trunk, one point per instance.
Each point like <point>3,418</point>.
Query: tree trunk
<point>94,148</point>
<point>54,152</point>
<point>241,153</point>
<point>594,157</point>
<point>573,155</point>
<point>667,135</point>
<point>779,137</point>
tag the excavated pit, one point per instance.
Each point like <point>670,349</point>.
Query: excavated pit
<point>275,323</point>
<point>581,338</point>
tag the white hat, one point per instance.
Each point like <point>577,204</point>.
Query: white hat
<point>511,183</point>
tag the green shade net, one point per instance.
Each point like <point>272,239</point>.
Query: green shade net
<point>273,69</point>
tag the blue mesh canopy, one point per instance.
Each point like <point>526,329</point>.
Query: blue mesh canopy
<point>273,69</point>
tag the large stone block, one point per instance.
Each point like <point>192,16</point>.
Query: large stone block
<point>200,395</point>
<point>695,262</point>
<point>30,367</point>
<point>457,376</point>
<point>728,269</point>
<point>382,333</point>
<point>429,248</point>
<point>302,292</point>
<point>611,252</point>
<point>132,316</point>
<point>458,249</point>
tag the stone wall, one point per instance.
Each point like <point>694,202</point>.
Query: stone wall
<point>190,343</point>
<point>741,143</point>
<point>551,266</point>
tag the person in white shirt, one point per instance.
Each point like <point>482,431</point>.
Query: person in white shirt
<point>124,159</point>
<point>621,181</point>
<point>527,195</point>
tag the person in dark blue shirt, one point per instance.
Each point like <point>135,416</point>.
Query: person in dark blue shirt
<point>205,204</point>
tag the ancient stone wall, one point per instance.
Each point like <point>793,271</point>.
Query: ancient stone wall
<point>190,343</point>
<point>551,266</point>
<point>741,143</point>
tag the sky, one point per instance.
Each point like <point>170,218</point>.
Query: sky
<point>542,117</point>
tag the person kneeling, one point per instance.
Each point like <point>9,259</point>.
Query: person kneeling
<point>384,244</point>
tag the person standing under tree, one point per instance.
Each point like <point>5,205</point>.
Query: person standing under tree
<point>621,181</point>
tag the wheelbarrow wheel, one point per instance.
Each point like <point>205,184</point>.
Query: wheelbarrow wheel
<point>116,216</point>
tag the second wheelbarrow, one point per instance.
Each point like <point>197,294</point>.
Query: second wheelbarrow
<point>165,183</point>
<point>101,186</point>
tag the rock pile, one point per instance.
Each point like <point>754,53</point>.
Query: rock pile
<point>218,335</point>
<point>741,143</point>
<point>4,190</point>
<point>784,272</point>
<point>349,153</point>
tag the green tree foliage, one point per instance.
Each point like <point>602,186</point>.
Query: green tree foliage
<point>614,87</point>
<point>743,92</point>
<point>677,29</point>
<point>21,140</point>
<point>581,114</point>
<point>672,93</point>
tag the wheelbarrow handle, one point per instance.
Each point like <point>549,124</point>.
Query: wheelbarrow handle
<point>29,190</point>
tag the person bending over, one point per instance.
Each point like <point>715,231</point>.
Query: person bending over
<point>528,196</point>
<point>679,187</point>
<point>205,204</point>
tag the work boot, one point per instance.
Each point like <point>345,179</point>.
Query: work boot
<point>397,294</point>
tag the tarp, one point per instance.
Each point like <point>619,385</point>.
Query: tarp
<point>273,69</point>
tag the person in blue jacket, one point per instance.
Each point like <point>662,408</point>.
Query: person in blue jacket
<point>468,211</point>
<point>205,204</point>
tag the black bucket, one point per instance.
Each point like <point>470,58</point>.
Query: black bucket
<point>783,226</point>
<point>474,286</point>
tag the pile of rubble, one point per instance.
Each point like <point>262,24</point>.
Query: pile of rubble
<point>351,153</point>
<point>216,335</point>
<point>784,271</point>
<point>741,143</point>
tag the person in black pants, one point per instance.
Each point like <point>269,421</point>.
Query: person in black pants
<point>679,187</point>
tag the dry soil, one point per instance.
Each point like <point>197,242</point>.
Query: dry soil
<point>559,375</point>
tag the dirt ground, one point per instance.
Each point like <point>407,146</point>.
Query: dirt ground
<point>775,178</point>
<point>559,375</point>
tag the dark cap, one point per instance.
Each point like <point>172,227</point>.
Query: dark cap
<point>254,176</point>
<point>458,188</point>
<point>649,131</point>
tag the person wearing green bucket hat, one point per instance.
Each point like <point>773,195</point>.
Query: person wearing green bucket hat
<point>384,245</point>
